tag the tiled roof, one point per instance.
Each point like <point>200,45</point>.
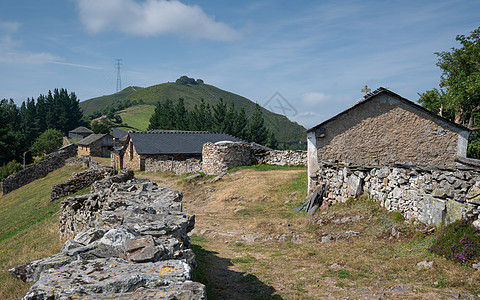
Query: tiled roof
<point>81,129</point>
<point>381,91</point>
<point>176,142</point>
<point>90,139</point>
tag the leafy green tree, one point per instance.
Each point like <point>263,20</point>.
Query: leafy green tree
<point>460,81</point>
<point>101,126</point>
<point>48,141</point>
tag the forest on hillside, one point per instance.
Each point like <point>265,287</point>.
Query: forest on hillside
<point>52,115</point>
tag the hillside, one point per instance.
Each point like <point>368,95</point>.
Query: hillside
<point>28,228</point>
<point>285,130</point>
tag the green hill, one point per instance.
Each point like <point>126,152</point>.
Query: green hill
<point>285,130</point>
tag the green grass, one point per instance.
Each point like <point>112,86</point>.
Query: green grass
<point>244,260</point>
<point>265,167</point>
<point>29,228</point>
<point>137,117</point>
<point>29,205</point>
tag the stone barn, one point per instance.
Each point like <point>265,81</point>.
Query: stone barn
<point>95,145</point>
<point>386,129</point>
<point>162,146</point>
<point>79,133</point>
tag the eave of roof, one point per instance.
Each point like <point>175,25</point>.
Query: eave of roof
<point>382,90</point>
<point>91,138</point>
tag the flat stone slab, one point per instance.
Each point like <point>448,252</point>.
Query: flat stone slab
<point>107,276</point>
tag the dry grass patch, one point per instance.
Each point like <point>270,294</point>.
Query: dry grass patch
<point>252,245</point>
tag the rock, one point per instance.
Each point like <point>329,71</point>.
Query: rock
<point>425,264</point>
<point>336,266</point>
<point>432,211</point>
<point>107,275</point>
<point>473,194</point>
<point>476,223</point>
<point>355,184</point>
<point>326,239</point>
<point>30,271</point>
<point>476,266</point>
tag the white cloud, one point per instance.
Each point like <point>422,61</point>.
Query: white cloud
<point>151,18</point>
<point>9,27</point>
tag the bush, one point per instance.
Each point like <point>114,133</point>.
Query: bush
<point>9,168</point>
<point>458,241</point>
<point>47,142</point>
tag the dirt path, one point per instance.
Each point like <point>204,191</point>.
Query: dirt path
<point>250,244</point>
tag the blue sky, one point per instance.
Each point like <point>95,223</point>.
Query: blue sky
<point>314,55</point>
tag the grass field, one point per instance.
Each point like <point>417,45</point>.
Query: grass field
<point>28,228</point>
<point>137,117</point>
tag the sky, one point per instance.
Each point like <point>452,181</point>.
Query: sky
<point>308,60</point>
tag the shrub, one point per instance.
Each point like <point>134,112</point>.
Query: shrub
<point>458,241</point>
<point>9,168</point>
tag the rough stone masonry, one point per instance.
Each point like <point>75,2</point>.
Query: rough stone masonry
<point>127,241</point>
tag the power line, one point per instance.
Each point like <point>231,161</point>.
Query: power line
<point>118,66</point>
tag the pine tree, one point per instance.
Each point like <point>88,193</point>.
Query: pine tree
<point>256,128</point>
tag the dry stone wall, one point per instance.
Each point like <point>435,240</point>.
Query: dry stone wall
<point>39,170</point>
<point>287,157</point>
<point>219,157</point>
<point>81,180</point>
<point>191,165</point>
<point>430,195</point>
<point>127,241</point>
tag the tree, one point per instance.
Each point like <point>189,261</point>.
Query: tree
<point>102,126</point>
<point>460,82</point>
<point>48,141</point>
<point>271,141</point>
<point>256,128</point>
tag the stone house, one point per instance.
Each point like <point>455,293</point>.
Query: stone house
<point>95,145</point>
<point>79,133</point>
<point>386,129</point>
<point>168,145</point>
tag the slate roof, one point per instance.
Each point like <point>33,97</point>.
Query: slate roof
<point>382,90</point>
<point>91,138</point>
<point>176,142</point>
<point>119,133</point>
<point>80,130</point>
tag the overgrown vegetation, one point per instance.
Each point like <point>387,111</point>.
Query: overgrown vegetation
<point>458,241</point>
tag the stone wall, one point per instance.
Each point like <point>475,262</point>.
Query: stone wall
<point>430,195</point>
<point>39,170</point>
<point>131,159</point>
<point>162,164</point>
<point>385,131</point>
<point>287,157</point>
<point>219,157</point>
<point>128,241</point>
<point>79,181</point>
